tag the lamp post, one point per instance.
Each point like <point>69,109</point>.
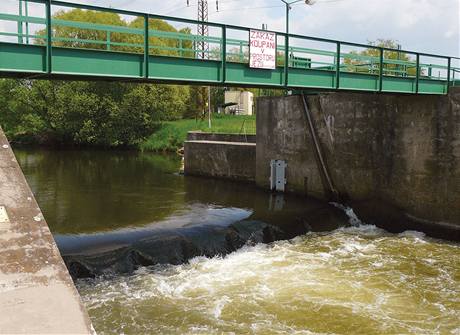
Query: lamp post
<point>286,41</point>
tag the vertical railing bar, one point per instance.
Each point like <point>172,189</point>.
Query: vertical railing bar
<point>417,73</point>
<point>449,63</point>
<point>286,60</point>
<point>20,23</point>
<point>108,40</point>
<point>224,54</point>
<point>146,46</point>
<point>26,10</point>
<point>337,67</point>
<point>381,53</point>
<point>49,43</point>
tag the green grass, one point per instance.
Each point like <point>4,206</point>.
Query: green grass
<point>171,135</point>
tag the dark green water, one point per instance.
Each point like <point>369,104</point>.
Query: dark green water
<point>85,191</point>
<point>335,280</point>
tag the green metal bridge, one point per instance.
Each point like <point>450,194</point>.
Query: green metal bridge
<point>47,47</point>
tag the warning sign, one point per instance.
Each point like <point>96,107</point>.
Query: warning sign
<point>262,49</point>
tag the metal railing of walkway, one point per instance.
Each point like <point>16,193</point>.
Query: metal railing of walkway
<point>139,47</point>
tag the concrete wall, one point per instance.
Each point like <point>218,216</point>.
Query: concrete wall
<point>232,160</point>
<point>387,153</point>
<point>244,101</point>
<point>37,295</point>
<point>202,136</point>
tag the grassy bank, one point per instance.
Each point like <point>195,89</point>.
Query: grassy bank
<point>171,135</point>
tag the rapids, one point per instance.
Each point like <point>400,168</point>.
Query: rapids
<point>355,280</point>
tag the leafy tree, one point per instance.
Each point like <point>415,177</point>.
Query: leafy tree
<point>87,113</point>
<point>370,60</point>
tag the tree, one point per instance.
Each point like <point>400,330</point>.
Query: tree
<point>95,113</point>
<point>396,63</point>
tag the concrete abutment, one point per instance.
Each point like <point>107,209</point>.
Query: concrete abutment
<point>394,158</point>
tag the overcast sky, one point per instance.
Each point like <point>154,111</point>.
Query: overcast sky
<point>423,25</point>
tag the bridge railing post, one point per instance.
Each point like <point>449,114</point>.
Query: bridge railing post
<point>146,46</point>
<point>449,65</point>
<point>337,67</point>
<point>49,42</point>
<point>417,72</point>
<point>286,60</point>
<point>381,54</point>
<point>20,31</point>
<point>224,53</point>
<point>108,40</point>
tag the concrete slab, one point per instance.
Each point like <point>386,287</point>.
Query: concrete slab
<point>37,294</point>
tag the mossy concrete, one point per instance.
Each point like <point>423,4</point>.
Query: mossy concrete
<point>392,156</point>
<point>220,159</point>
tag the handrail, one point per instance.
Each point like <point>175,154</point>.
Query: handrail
<point>342,61</point>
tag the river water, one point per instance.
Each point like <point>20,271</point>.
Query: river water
<point>336,279</point>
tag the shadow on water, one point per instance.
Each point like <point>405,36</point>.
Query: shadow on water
<point>113,211</point>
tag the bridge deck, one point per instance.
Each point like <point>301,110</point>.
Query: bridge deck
<point>140,51</point>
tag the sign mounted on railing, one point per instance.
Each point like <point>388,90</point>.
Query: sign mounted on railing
<point>262,49</point>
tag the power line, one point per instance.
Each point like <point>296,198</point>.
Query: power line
<point>246,8</point>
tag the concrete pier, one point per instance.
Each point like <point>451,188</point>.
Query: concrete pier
<point>37,295</point>
<point>229,156</point>
<point>394,158</point>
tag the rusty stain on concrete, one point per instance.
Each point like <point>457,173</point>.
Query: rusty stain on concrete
<point>37,295</point>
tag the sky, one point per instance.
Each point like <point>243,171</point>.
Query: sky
<point>431,26</point>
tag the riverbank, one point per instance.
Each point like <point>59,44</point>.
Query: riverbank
<point>171,135</point>
<point>168,136</point>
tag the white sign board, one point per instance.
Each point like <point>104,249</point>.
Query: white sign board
<point>262,49</point>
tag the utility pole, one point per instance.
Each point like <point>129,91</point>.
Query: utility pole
<point>203,47</point>
<point>203,29</point>
<point>288,4</point>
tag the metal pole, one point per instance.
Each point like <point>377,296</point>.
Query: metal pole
<point>20,39</point>
<point>417,73</point>
<point>26,3</point>
<point>449,60</point>
<point>337,67</point>
<point>146,46</point>
<point>209,106</point>
<point>380,69</point>
<point>224,53</point>
<point>286,51</point>
<point>49,43</point>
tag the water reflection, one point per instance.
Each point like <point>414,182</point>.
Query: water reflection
<point>114,211</point>
<point>85,191</point>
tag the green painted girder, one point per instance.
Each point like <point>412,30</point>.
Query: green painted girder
<point>30,60</point>
<point>228,67</point>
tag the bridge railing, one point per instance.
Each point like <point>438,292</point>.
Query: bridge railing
<point>146,35</point>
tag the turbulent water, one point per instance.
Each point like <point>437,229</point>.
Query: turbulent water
<point>358,280</point>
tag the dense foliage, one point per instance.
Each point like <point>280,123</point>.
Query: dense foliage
<point>94,113</point>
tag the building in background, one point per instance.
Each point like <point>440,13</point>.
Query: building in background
<point>239,103</point>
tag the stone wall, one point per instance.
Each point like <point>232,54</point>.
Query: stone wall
<point>202,136</point>
<point>388,154</point>
<point>232,160</point>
